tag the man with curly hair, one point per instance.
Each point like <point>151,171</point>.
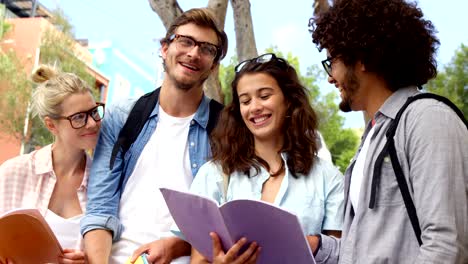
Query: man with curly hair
<point>378,53</point>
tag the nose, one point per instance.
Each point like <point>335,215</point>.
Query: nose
<point>256,106</point>
<point>90,123</point>
<point>331,80</point>
<point>194,51</point>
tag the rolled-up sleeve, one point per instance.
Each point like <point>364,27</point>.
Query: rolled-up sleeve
<point>104,184</point>
<point>334,202</point>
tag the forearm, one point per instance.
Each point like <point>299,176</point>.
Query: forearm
<point>98,244</point>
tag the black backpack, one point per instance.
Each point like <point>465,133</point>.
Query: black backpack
<point>140,114</point>
<point>389,149</point>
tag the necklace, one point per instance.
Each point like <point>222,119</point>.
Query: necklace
<point>279,171</point>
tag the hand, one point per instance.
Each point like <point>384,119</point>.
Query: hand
<point>6,261</point>
<point>313,241</point>
<point>249,256</point>
<point>162,251</point>
<point>72,256</point>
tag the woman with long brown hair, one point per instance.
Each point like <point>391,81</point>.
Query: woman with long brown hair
<point>266,143</point>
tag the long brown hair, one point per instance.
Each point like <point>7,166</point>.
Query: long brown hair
<point>232,143</point>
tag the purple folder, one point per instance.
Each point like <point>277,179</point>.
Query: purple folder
<point>277,231</point>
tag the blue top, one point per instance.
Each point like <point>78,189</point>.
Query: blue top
<point>316,198</point>
<point>104,192</point>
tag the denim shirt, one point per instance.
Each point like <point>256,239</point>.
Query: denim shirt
<point>104,193</point>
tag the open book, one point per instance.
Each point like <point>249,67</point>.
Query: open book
<point>277,231</point>
<point>25,237</point>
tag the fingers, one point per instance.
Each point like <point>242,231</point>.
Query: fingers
<point>72,256</point>
<point>139,251</point>
<point>217,247</point>
<point>234,250</point>
<point>253,259</point>
<point>248,254</point>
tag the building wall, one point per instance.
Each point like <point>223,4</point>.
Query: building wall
<point>128,76</point>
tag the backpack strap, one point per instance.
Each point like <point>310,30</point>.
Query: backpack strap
<point>134,124</point>
<point>215,110</point>
<point>389,149</point>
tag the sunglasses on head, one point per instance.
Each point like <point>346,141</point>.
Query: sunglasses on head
<point>260,59</point>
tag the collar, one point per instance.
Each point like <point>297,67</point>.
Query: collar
<point>201,115</point>
<point>43,165</point>
<point>393,103</point>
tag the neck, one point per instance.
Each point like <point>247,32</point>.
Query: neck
<point>378,93</point>
<point>67,161</point>
<point>269,152</point>
<point>179,102</point>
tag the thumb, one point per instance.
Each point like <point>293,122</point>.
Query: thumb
<point>217,247</point>
<point>138,252</point>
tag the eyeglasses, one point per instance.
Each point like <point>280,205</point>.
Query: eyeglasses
<point>260,59</point>
<point>187,43</point>
<point>80,119</point>
<point>327,65</point>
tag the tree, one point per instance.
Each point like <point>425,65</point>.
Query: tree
<point>16,91</point>
<point>452,82</point>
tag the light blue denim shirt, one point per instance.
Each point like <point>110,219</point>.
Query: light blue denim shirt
<point>102,210</point>
<point>316,199</point>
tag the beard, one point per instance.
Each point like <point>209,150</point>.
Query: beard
<point>350,86</point>
<point>185,85</point>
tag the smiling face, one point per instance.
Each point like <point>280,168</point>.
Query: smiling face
<point>262,106</point>
<point>189,68</point>
<point>344,78</point>
<point>83,138</point>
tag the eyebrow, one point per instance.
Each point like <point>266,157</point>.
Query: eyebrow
<point>193,38</point>
<point>258,91</point>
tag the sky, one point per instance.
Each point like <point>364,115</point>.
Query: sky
<point>136,29</point>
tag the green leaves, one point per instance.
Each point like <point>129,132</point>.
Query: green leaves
<point>452,82</point>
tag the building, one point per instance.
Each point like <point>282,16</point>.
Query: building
<point>128,76</point>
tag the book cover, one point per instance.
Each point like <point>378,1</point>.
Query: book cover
<point>277,231</point>
<point>140,260</point>
<point>25,237</point>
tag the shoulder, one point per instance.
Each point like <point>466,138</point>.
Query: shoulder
<point>121,106</point>
<point>25,164</point>
<point>325,171</point>
<point>429,116</point>
<point>210,171</point>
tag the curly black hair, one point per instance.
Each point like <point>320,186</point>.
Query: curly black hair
<point>390,37</point>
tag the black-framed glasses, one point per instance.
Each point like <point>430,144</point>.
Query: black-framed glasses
<point>260,59</point>
<point>80,119</point>
<point>187,43</point>
<point>327,65</point>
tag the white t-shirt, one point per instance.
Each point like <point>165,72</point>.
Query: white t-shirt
<point>164,162</point>
<point>67,230</point>
<point>358,172</point>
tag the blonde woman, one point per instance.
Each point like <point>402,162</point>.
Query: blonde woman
<point>53,179</point>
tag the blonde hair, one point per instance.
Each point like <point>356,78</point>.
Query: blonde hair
<point>54,87</point>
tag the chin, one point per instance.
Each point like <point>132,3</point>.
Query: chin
<point>345,106</point>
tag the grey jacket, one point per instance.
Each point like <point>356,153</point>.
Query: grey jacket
<point>432,147</point>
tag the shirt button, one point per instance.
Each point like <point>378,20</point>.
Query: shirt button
<point>192,122</point>
<point>192,144</point>
<point>194,165</point>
